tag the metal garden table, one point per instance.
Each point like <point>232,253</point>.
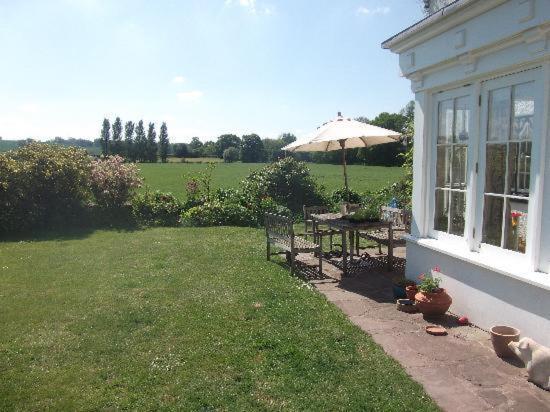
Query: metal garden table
<point>348,228</point>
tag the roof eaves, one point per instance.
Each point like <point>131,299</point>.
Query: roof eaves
<point>426,22</point>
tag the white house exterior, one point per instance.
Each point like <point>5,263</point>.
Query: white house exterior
<point>480,71</point>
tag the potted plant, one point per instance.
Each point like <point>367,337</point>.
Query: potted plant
<point>399,284</point>
<point>411,290</point>
<point>367,213</point>
<point>432,299</point>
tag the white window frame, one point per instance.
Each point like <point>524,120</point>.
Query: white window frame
<point>530,257</point>
<point>468,92</point>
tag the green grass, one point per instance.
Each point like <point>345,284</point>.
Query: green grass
<point>179,318</point>
<point>168,177</point>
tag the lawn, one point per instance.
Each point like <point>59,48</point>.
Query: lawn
<point>179,318</point>
<point>168,177</point>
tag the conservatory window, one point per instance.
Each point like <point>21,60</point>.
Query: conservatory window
<point>507,166</point>
<point>451,165</point>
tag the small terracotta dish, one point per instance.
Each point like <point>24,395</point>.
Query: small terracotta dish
<point>436,330</point>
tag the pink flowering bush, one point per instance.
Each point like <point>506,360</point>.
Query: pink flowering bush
<point>113,182</point>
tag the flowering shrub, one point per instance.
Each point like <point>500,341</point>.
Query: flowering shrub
<point>156,209</point>
<point>429,283</point>
<point>198,187</point>
<point>113,182</point>
<point>41,184</point>
<point>287,182</point>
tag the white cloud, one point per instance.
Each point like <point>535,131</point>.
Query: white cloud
<point>189,96</point>
<point>268,10</point>
<point>373,11</point>
<point>178,79</point>
<point>251,6</point>
<point>29,108</point>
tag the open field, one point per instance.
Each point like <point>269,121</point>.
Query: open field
<point>179,318</point>
<point>172,159</point>
<point>169,177</point>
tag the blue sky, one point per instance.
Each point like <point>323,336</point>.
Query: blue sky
<point>206,67</point>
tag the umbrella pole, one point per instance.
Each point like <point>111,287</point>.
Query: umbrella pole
<point>342,145</point>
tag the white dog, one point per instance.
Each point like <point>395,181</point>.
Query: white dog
<point>537,360</point>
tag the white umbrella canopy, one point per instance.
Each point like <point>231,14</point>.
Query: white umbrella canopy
<point>341,134</point>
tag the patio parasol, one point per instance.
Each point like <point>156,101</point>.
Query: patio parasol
<point>342,134</point>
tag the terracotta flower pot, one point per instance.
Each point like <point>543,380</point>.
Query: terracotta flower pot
<point>501,336</point>
<point>411,291</point>
<point>436,303</point>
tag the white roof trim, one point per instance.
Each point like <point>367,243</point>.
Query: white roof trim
<point>429,21</point>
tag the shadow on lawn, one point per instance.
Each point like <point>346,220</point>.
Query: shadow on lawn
<point>69,233</point>
<point>76,226</point>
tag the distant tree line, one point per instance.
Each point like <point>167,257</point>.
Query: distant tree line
<point>133,143</point>
<point>137,143</point>
<point>251,148</point>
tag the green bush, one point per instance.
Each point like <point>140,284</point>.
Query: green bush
<point>344,195</point>
<point>41,184</point>
<point>216,213</point>
<point>398,192</point>
<point>157,209</point>
<point>287,182</point>
<point>232,208</point>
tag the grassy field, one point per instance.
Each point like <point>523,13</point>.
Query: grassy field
<point>169,177</point>
<point>155,319</point>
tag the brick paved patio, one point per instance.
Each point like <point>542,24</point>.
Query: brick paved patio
<point>460,371</point>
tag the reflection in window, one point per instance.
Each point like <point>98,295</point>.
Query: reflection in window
<point>508,165</point>
<point>451,165</point>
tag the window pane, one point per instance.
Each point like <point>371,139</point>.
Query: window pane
<point>499,115</point>
<point>519,165</point>
<point>495,169</point>
<point>492,220</point>
<point>460,154</point>
<point>515,225</point>
<point>458,207</point>
<point>443,178</point>
<point>462,120</point>
<point>441,221</point>
<point>524,108</point>
<point>445,133</point>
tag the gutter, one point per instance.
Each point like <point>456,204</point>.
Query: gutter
<point>426,22</point>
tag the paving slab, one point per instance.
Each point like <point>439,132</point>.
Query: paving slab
<point>459,371</point>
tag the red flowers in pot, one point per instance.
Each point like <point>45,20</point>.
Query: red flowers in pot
<point>432,299</point>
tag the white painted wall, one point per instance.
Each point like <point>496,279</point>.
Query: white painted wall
<point>486,297</point>
<point>487,39</point>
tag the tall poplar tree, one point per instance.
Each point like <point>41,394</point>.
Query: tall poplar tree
<point>164,143</point>
<point>151,151</point>
<point>140,145</point>
<point>105,136</point>
<point>129,141</point>
<point>117,137</point>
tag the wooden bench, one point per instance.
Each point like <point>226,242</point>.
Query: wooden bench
<point>279,232</point>
<point>401,224</point>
